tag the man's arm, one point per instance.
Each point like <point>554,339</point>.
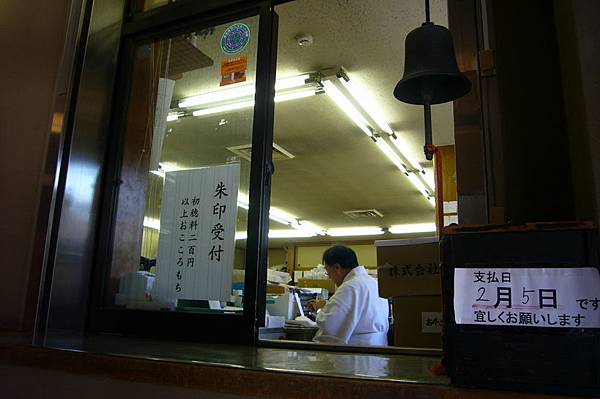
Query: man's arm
<point>339,317</point>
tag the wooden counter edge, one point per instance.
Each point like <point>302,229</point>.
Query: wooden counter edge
<point>235,380</point>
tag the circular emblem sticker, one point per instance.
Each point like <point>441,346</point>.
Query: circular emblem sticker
<point>235,38</point>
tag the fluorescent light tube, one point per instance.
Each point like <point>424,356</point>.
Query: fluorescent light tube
<point>309,227</point>
<point>429,180</point>
<point>402,147</point>
<point>219,95</point>
<point>275,214</point>
<point>291,82</point>
<point>366,102</point>
<point>426,177</point>
<point>283,233</point>
<point>421,187</point>
<point>151,223</point>
<point>387,150</point>
<point>278,219</point>
<point>354,231</point>
<point>290,233</point>
<point>280,216</point>
<point>250,103</point>
<point>294,95</point>
<point>341,101</point>
<point>239,92</point>
<point>412,228</point>
<point>172,117</point>
<point>224,108</point>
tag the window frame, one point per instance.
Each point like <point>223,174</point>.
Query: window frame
<point>240,329</point>
<point>466,26</point>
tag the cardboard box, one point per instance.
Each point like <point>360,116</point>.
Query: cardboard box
<point>418,321</point>
<point>408,267</point>
<point>276,289</point>
<point>329,285</point>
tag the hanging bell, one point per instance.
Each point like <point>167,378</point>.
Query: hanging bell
<point>431,74</point>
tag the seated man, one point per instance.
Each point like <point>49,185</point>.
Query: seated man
<point>355,314</point>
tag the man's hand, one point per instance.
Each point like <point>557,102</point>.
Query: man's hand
<point>316,304</point>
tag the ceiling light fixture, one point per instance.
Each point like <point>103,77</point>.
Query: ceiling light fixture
<point>309,227</point>
<point>283,233</point>
<point>239,92</point>
<point>347,94</point>
<point>224,108</point>
<point>290,233</point>
<point>250,103</point>
<point>291,82</point>
<point>387,150</point>
<point>281,216</point>
<point>294,95</point>
<point>345,105</point>
<point>217,96</point>
<point>419,185</point>
<point>401,146</point>
<point>354,231</point>
<point>412,228</point>
<point>366,102</point>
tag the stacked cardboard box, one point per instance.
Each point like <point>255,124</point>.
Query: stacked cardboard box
<point>409,274</point>
<point>328,284</point>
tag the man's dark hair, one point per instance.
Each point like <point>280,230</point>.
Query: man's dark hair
<point>341,255</point>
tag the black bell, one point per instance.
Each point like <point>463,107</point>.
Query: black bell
<point>431,75</point>
<point>430,71</point>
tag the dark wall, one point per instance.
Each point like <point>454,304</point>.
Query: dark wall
<point>578,35</point>
<point>537,168</point>
<point>31,45</point>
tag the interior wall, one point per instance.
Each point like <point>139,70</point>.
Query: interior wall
<point>468,123</point>
<point>309,256</point>
<point>537,165</point>
<point>31,43</point>
<point>578,32</point>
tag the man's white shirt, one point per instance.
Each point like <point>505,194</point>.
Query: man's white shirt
<point>355,314</point>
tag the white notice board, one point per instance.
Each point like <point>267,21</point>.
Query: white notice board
<point>528,297</point>
<point>197,233</point>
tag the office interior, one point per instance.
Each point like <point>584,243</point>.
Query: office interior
<point>320,185</point>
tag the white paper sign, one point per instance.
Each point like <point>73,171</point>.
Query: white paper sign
<point>197,233</point>
<point>532,297</point>
<point>431,322</point>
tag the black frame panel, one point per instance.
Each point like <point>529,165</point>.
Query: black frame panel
<point>239,329</point>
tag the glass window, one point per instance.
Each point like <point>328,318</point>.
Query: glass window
<point>182,201</point>
<point>349,161</point>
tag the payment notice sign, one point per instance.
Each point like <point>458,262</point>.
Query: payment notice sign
<point>528,297</point>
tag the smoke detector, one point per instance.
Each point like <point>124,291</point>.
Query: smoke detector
<point>304,40</point>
